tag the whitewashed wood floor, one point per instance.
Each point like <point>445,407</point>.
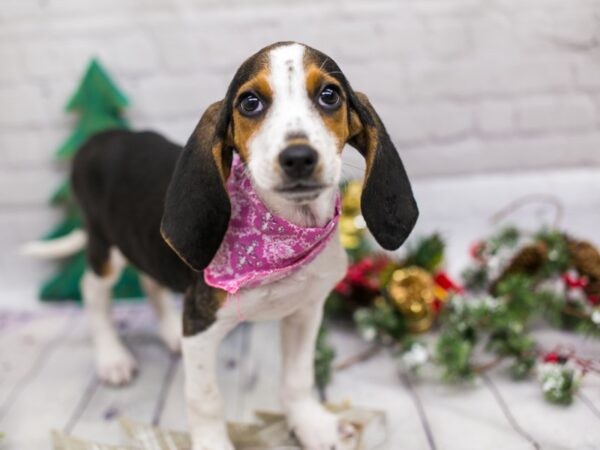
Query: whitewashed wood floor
<point>47,382</point>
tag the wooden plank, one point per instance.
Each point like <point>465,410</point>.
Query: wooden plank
<point>173,414</point>
<point>554,427</point>
<point>466,416</point>
<point>374,384</point>
<point>508,414</point>
<point>230,359</point>
<point>52,394</point>
<point>260,370</point>
<point>24,348</point>
<point>138,400</point>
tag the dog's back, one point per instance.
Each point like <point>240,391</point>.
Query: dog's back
<point>120,179</point>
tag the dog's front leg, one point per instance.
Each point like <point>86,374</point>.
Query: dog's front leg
<point>315,427</point>
<point>203,399</point>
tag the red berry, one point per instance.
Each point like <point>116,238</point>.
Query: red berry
<point>343,288</point>
<point>573,281</point>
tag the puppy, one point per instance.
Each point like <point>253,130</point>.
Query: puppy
<point>280,128</point>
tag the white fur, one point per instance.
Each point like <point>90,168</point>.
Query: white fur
<point>204,404</point>
<point>115,364</point>
<point>292,111</point>
<point>56,248</point>
<point>169,318</point>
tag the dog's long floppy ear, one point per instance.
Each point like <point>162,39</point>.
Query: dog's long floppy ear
<point>197,208</point>
<point>387,202</point>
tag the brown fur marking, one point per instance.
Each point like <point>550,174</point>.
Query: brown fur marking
<point>366,137</point>
<point>244,127</point>
<point>336,121</point>
<point>222,165</point>
<point>107,270</point>
<point>372,144</point>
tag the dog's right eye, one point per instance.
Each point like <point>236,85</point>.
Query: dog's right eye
<point>250,104</point>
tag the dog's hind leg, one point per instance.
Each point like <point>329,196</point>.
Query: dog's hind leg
<point>169,318</point>
<point>115,364</point>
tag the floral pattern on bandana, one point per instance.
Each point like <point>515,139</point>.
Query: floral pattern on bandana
<point>260,247</point>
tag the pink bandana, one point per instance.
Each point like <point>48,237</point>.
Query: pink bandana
<point>259,247</point>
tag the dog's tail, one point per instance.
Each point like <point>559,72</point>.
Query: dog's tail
<point>56,248</point>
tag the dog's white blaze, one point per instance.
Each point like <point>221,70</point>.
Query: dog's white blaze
<point>292,111</point>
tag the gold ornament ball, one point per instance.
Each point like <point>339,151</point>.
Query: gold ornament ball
<point>411,290</point>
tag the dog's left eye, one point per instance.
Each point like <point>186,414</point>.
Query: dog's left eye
<point>250,104</point>
<point>329,98</point>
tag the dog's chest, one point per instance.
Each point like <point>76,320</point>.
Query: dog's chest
<point>309,284</point>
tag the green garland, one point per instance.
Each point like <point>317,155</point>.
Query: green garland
<point>516,279</point>
<point>324,356</point>
<point>500,322</point>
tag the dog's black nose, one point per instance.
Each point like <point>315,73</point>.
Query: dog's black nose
<point>298,161</point>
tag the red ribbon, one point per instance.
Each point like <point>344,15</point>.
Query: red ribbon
<point>443,280</point>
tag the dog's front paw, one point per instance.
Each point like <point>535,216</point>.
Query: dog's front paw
<point>210,438</point>
<point>115,365</point>
<point>317,428</point>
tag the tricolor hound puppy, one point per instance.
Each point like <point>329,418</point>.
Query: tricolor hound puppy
<point>275,141</point>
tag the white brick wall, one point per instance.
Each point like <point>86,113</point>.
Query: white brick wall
<point>463,85</point>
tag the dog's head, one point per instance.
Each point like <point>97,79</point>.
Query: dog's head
<point>288,113</point>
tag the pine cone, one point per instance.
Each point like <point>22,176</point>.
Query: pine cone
<point>586,259</point>
<point>528,260</point>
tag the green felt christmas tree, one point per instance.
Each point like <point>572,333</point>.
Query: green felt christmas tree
<point>99,104</point>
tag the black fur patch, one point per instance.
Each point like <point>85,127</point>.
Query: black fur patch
<point>120,179</point>
<point>387,202</point>
<point>197,206</point>
<point>200,307</point>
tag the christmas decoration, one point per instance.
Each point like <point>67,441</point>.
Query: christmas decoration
<point>324,355</point>
<point>352,225</point>
<point>402,298</point>
<point>559,378</point>
<point>418,296</point>
<point>99,103</point>
<point>413,356</point>
<point>527,277</point>
<point>515,279</point>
